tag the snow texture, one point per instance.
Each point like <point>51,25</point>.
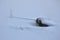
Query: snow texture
<point>17,19</point>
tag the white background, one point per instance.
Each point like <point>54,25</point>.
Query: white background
<point>9,27</point>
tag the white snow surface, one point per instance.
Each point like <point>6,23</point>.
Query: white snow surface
<point>23,29</point>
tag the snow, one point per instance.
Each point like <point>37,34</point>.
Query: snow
<point>24,29</point>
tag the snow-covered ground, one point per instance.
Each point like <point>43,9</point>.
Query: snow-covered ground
<point>24,29</point>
